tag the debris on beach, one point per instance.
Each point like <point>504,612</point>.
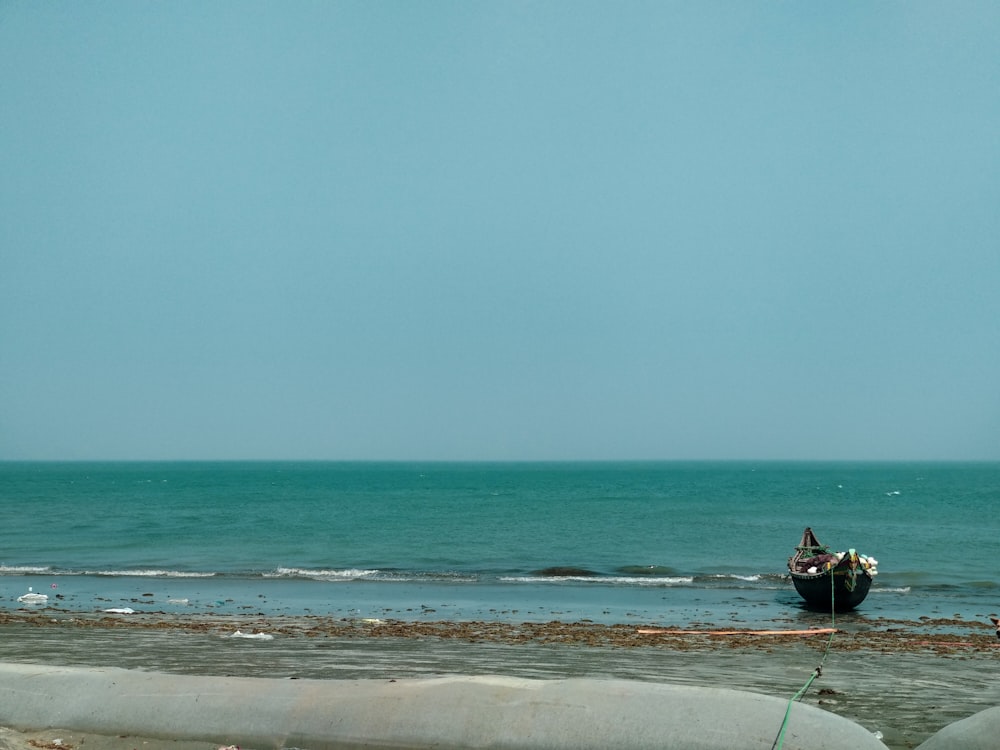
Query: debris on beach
<point>253,636</point>
<point>120,611</point>
<point>56,744</point>
<point>810,631</point>
<point>32,598</point>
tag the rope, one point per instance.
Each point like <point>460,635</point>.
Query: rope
<point>779,741</point>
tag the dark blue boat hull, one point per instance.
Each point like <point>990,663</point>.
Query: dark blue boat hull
<point>844,594</point>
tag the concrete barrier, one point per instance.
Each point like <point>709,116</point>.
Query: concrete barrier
<point>981,731</point>
<point>449,712</point>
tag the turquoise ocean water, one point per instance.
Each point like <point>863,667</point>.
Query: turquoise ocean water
<point>660,543</point>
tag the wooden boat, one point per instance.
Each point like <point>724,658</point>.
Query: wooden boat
<point>824,578</point>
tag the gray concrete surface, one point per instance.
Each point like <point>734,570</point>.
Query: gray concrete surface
<point>447,712</point>
<point>981,731</point>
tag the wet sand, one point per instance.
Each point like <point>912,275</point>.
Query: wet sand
<point>905,679</point>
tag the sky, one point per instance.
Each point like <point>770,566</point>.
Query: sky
<point>510,230</point>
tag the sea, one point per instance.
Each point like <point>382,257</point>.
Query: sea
<point>676,544</point>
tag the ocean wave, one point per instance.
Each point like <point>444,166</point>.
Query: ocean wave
<point>348,574</point>
<point>151,573</point>
<point>31,570</point>
<point>983,584</point>
<point>20,570</point>
<point>658,571</point>
<point>766,581</point>
<point>598,580</point>
<point>338,575</point>
<point>732,577</point>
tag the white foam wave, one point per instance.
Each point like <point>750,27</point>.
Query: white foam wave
<point>152,573</point>
<point>349,574</point>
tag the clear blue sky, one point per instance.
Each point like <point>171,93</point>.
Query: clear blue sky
<point>499,230</point>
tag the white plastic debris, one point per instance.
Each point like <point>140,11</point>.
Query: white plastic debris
<point>32,598</point>
<point>253,636</point>
<point>121,611</point>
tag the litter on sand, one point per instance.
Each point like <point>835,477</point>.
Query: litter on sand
<point>253,636</point>
<point>32,598</point>
<point>811,631</point>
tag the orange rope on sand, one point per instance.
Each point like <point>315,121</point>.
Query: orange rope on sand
<point>811,631</point>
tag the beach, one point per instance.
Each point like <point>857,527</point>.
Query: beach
<point>888,681</point>
<point>342,573</point>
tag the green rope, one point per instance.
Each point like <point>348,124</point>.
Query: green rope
<point>779,741</point>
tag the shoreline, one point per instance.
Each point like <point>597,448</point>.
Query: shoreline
<point>929,673</point>
<point>940,635</point>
